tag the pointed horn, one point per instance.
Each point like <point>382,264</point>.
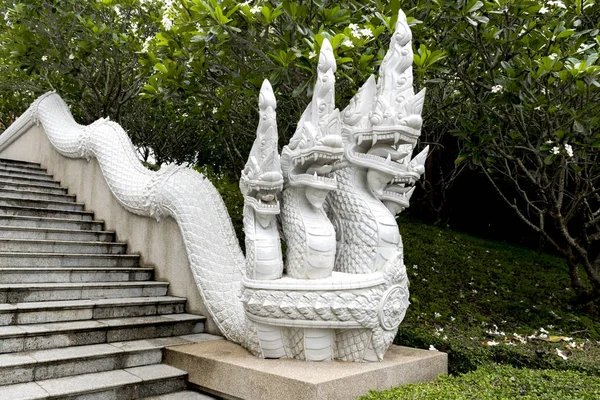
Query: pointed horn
<point>266,98</point>
<point>409,194</point>
<point>420,158</point>
<point>326,58</point>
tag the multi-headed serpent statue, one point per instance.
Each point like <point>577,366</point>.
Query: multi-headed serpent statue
<point>337,188</point>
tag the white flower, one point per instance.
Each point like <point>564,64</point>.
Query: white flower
<point>475,291</point>
<point>312,54</point>
<point>415,266</point>
<point>553,56</point>
<point>366,32</point>
<point>497,89</point>
<point>561,355</point>
<point>569,150</point>
<point>167,22</point>
<point>44,58</point>
<point>543,336</point>
<point>215,110</point>
<point>573,344</point>
<point>543,10</point>
<point>146,44</point>
<point>347,43</point>
<point>71,56</point>
<point>567,339</point>
<point>354,28</point>
<point>492,343</point>
<point>555,150</point>
<point>431,348</point>
<point>255,9</point>
<point>557,3</point>
<point>452,319</point>
<point>437,314</point>
<point>543,330</point>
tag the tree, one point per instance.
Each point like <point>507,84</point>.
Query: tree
<point>528,75</point>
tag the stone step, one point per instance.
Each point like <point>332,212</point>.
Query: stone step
<point>40,365</point>
<point>121,384</point>
<point>17,232</point>
<point>83,310</point>
<point>22,167</point>
<point>6,161</point>
<point>70,260</point>
<point>50,223</point>
<point>41,187</point>
<point>18,338</point>
<point>24,180</point>
<point>41,204</point>
<point>27,175</point>
<point>74,275</point>
<point>60,246</point>
<point>46,213</point>
<point>25,292</point>
<point>36,195</point>
<point>34,172</point>
<point>183,395</point>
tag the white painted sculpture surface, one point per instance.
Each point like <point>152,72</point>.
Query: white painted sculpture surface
<point>340,182</point>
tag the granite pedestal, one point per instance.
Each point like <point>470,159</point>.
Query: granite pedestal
<point>229,371</point>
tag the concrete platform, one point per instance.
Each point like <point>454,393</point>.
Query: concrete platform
<point>227,370</point>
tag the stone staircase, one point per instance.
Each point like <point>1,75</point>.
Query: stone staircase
<point>79,318</point>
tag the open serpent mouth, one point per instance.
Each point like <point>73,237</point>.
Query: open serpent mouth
<point>387,153</point>
<point>311,166</point>
<point>262,193</point>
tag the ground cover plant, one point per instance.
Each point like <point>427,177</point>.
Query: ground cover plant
<point>483,301</point>
<point>498,383</point>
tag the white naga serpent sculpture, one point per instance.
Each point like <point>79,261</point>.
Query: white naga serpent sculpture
<point>340,182</point>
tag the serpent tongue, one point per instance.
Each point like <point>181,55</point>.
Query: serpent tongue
<point>378,180</point>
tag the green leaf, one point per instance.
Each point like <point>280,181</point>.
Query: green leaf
<point>566,33</point>
<point>473,6</point>
<point>161,67</point>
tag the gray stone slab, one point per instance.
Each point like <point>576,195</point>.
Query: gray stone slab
<point>73,352</point>
<point>186,395</point>
<point>23,391</point>
<point>228,370</point>
<point>155,372</point>
<point>88,382</point>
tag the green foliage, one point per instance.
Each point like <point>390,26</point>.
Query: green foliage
<point>87,51</point>
<point>217,53</point>
<point>495,382</point>
<point>483,301</point>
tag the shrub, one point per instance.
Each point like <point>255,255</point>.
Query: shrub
<point>495,382</point>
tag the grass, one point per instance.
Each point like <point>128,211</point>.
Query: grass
<point>497,382</point>
<point>483,301</point>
